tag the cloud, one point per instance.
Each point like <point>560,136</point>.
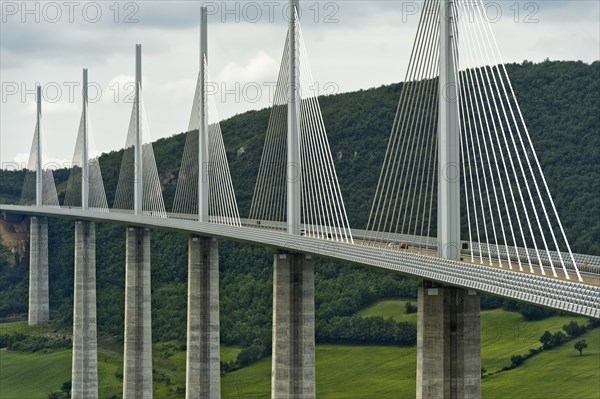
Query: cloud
<point>22,161</point>
<point>258,69</point>
<point>178,91</point>
<point>119,86</point>
<point>21,158</point>
<point>49,108</point>
<point>369,45</point>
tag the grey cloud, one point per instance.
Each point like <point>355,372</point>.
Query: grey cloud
<point>369,46</point>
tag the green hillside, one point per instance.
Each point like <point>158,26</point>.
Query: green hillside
<point>560,373</point>
<point>503,333</point>
<point>364,372</point>
<point>560,102</point>
<point>46,372</point>
<point>344,371</point>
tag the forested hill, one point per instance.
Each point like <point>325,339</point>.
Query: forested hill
<point>561,106</point>
<point>560,103</point>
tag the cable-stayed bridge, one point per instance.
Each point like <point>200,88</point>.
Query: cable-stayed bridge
<point>461,202</point>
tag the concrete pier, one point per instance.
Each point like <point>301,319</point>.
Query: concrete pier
<point>39,309</point>
<point>203,362</point>
<point>293,367</point>
<point>448,343</point>
<point>84,371</point>
<point>137,368</point>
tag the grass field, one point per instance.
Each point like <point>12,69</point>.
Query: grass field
<point>359,372</point>
<point>344,371</point>
<point>22,327</point>
<point>503,334</point>
<point>393,308</point>
<point>32,375</point>
<point>35,375</point>
<point>559,373</point>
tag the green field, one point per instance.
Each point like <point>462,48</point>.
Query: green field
<point>32,375</point>
<point>35,375</point>
<point>393,308</point>
<point>22,327</point>
<point>558,373</point>
<point>503,334</point>
<point>345,371</point>
<point>348,372</point>
<point>364,372</point>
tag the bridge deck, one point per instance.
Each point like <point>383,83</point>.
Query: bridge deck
<point>571,296</point>
<point>588,278</point>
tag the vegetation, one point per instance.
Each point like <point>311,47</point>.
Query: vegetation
<point>64,393</point>
<point>550,341</point>
<point>358,372</point>
<point>343,371</point>
<point>558,374</point>
<point>33,375</point>
<point>507,338</point>
<point>26,343</point>
<point>367,371</point>
<point>49,372</point>
<point>580,346</point>
<point>410,307</point>
<point>559,102</point>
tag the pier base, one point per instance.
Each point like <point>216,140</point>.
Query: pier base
<point>448,344</point>
<point>39,309</point>
<point>137,369</point>
<point>203,365</point>
<point>293,364</point>
<point>84,371</point>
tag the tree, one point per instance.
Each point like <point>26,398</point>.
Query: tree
<point>516,360</point>
<point>545,339</point>
<point>64,393</point>
<point>580,346</point>
<point>574,329</point>
<point>558,338</point>
<point>530,312</point>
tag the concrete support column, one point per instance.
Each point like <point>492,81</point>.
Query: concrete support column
<point>203,362</point>
<point>84,372</point>
<point>137,369</point>
<point>448,344</point>
<point>39,309</point>
<point>293,367</point>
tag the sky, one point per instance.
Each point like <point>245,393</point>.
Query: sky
<point>351,45</point>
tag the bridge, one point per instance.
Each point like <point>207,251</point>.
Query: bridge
<point>461,202</point>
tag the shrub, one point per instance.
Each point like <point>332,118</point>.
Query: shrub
<point>580,346</point>
<point>410,307</point>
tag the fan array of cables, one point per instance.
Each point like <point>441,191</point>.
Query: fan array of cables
<point>508,204</point>
<point>28,193</point>
<point>222,204</point>
<point>508,216</point>
<point>97,195</point>
<point>269,199</point>
<point>152,199</point>
<point>404,206</point>
<point>322,208</point>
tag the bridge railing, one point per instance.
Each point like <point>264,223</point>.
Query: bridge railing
<point>586,263</point>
